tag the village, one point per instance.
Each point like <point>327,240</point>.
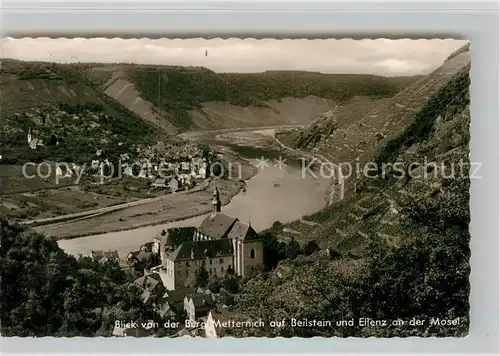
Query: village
<point>168,167</point>
<point>166,273</point>
<point>50,168</point>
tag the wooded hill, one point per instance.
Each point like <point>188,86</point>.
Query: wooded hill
<point>179,90</point>
<point>60,103</point>
<point>398,245</point>
<point>46,292</point>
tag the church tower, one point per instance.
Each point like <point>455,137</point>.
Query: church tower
<point>216,204</point>
<point>29,136</point>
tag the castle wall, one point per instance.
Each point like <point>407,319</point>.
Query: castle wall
<point>252,265</point>
<point>241,271</point>
<point>168,278</point>
<point>219,265</point>
<point>183,270</point>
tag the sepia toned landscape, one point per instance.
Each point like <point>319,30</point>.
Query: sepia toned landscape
<point>215,188</point>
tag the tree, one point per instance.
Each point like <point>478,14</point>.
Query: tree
<point>425,278</point>
<point>274,250</point>
<point>256,303</point>
<point>46,292</point>
<point>214,283</point>
<point>310,248</point>
<point>230,283</point>
<point>292,249</point>
<point>198,278</point>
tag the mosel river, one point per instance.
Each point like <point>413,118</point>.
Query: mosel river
<point>274,194</point>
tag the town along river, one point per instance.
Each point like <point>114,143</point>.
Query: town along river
<point>274,194</point>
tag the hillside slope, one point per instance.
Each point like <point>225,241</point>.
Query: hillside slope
<point>59,103</point>
<point>352,135</point>
<point>185,98</point>
<point>398,245</point>
<point>434,190</point>
<point>46,292</point>
<point>177,99</point>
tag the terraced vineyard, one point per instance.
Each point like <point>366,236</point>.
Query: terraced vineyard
<point>397,246</point>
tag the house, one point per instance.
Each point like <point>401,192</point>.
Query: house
<point>174,185</point>
<point>32,141</point>
<point>172,302</point>
<point>216,319</point>
<point>151,288</point>
<point>185,167</point>
<point>199,168</point>
<point>168,241</point>
<point>147,247</point>
<point>184,179</point>
<point>159,183</point>
<point>164,309</point>
<point>104,256</point>
<point>63,171</point>
<point>221,244</point>
<point>215,256</point>
<point>141,260</point>
<point>95,164</point>
<point>164,171</point>
<point>202,173</point>
<point>198,305</point>
<point>127,170</point>
<point>75,168</point>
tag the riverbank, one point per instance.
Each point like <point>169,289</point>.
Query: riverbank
<point>170,208</point>
<point>282,183</point>
<point>272,195</point>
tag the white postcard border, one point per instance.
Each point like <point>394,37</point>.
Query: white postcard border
<point>476,21</point>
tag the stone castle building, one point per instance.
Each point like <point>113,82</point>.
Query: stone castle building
<point>219,244</point>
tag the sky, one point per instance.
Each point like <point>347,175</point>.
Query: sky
<point>380,56</point>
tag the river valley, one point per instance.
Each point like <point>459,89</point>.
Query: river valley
<point>276,193</point>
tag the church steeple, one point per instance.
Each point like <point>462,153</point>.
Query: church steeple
<point>216,204</point>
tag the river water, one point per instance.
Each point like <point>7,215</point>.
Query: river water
<point>274,194</point>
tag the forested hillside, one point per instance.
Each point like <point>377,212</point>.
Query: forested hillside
<point>46,292</point>
<point>61,104</point>
<point>396,247</point>
<point>177,99</point>
<point>179,90</point>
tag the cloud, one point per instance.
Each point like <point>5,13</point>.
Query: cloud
<point>381,56</point>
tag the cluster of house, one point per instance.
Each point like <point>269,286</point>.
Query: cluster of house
<point>182,173</point>
<point>168,167</point>
<point>33,141</point>
<point>221,244</point>
<point>185,173</point>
